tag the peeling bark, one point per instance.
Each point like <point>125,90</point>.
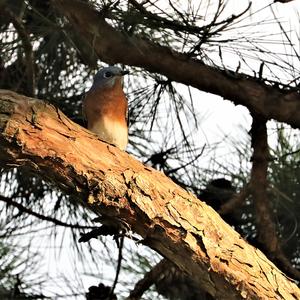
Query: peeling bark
<point>113,46</point>
<point>172,221</point>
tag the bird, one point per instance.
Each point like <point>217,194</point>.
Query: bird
<point>105,107</point>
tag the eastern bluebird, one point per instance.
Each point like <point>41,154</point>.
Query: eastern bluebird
<point>106,108</point>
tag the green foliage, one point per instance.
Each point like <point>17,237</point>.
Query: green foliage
<point>284,177</point>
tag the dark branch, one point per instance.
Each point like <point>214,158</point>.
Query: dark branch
<point>24,209</point>
<point>113,46</point>
<point>267,235</point>
<point>149,279</point>
<point>236,201</point>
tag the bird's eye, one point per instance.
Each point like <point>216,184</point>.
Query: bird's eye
<point>108,74</point>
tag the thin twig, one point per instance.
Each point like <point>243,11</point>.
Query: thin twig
<point>120,257</point>
<point>178,26</point>
<point>22,208</point>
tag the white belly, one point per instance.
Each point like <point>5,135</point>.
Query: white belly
<point>111,132</point>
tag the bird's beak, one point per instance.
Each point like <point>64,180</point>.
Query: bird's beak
<point>124,72</point>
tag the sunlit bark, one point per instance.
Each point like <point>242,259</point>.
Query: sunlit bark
<point>170,220</point>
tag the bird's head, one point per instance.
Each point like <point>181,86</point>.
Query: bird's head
<point>106,77</point>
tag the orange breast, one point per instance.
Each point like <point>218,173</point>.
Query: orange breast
<point>105,110</point>
<point>108,102</point>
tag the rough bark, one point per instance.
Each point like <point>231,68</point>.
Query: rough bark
<point>113,46</point>
<point>37,136</point>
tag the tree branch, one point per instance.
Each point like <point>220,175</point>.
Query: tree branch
<point>149,279</point>
<point>28,211</point>
<point>267,235</point>
<point>185,26</point>
<point>237,200</point>
<point>112,183</point>
<point>258,185</point>
<point>113,46</point>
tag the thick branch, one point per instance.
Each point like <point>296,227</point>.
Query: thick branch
<point>110,182</point>
<point>113,46</point>
<point>267,235</point>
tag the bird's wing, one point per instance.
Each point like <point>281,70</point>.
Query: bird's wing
<point>84,117</point>
<point>127,115</point>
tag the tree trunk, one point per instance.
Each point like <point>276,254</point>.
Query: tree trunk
<point>172,221</point>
